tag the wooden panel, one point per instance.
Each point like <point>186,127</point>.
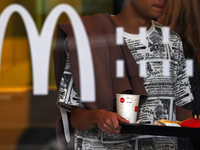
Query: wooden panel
<point>14,105</point>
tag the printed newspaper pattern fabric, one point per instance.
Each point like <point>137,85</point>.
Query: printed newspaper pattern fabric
<point>67,93</point>
<point>165,93</point>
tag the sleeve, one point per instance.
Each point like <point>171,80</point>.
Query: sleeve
<point>182,87</point>
<point>195,87</point>
<point>67,93</point>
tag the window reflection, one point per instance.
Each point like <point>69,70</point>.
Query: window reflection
<point>25,117</point>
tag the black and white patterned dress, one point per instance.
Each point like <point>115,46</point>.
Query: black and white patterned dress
<point>164,93</point>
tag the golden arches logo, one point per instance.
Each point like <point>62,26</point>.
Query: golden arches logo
<point>40,46</point>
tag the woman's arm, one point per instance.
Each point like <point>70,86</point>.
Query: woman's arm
<point>106,121</point>
<point>183,114</point>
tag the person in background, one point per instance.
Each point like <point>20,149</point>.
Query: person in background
<point>183,17</point>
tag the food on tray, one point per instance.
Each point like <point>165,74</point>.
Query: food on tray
<point>164,122</point>
<point>193,123</point>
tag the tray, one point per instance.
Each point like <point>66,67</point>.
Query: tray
<point>132,128</point>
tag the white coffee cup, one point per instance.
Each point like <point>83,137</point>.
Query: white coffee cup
<point>127,106</point>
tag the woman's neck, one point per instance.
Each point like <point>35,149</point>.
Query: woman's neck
<point>131,20</point>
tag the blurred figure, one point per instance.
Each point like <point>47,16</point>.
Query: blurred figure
<point>183,17</point>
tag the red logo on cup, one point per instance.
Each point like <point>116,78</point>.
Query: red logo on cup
<point>122,100</point>
<point>136,108</point>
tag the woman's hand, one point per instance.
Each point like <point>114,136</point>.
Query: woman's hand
<point>108,122</point>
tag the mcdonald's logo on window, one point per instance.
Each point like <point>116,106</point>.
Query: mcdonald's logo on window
<point>40,46</point>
